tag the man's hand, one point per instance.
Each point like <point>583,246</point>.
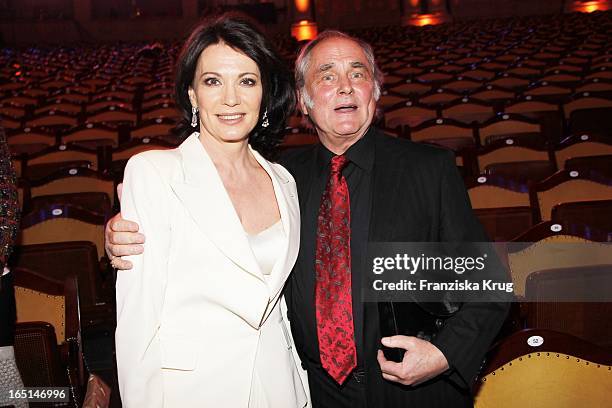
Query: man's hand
<point>121,237</point>
<point>422,361</point>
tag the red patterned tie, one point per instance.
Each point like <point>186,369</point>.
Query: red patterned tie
<point>334,304</point>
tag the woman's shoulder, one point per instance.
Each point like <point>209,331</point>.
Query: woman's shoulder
<point>163,161</point>
<point>281,172</point>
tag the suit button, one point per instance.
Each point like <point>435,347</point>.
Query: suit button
<point>439,323</point>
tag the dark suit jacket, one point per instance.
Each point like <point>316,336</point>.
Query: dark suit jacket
<point>417,196</point>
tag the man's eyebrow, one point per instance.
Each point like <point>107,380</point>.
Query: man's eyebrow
<point>357,64</point>
<point>326,67</point>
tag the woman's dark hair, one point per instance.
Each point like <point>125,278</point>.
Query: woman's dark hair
<point>278,96</point>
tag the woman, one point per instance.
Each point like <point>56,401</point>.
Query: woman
<point>198,319</point>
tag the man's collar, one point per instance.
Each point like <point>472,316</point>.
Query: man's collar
<point>361,153</point>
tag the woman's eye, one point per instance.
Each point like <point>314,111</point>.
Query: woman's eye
<point>249,81</point>
<point>211,81</point>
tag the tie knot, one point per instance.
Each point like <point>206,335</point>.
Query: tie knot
<point>338,163</point>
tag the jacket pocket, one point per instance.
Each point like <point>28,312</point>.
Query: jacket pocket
<point>179,354</point>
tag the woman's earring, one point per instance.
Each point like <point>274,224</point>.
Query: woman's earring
<point>194,117</point>
<point>264,120</point>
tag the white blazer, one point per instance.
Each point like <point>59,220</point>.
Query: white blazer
<point>196,322</point>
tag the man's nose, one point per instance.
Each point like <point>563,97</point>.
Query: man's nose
<point>230,96</point>
<point>345,86</point>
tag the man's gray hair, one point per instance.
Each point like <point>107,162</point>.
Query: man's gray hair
<point>303,59</point>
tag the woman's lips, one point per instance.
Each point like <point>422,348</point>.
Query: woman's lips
<point>231,119</point>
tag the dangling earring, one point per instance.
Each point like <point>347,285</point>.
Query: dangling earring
<point>264,120</point>
<point>194,117</point>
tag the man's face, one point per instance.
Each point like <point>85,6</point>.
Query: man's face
<point>340,85</point>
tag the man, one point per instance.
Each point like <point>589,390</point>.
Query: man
<point>359,186</point>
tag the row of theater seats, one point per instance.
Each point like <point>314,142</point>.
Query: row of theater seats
<point>527,191</point>
<point>524,104</point>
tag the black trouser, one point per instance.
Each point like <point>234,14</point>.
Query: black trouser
<point>326,393</point>
<point>8,313</point>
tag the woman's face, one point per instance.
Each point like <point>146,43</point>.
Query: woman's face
<point>227,90</point>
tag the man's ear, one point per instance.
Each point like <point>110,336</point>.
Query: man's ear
<point>192,97</point>
<point>302,103</point>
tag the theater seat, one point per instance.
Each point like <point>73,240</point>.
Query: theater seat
<point>568,186</point>
<point>597,120</point>
<point>76,180</point>
<point>545,369</point>
<point>48,348</point>
<point>505,223</point>
<point>59,260</point>
<point>555,251</point>
<point>582,145</point>
<point>572,300</point>
<point>63,223</point>
<point>505,124</point>
<point>489,192</point>
<point>597,213</point>
<point>97,203</point>
<point>600,165</point>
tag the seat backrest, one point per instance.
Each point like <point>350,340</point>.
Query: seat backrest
<point>590,106</point>
<point>31,138</point>
<point>492,196</point>
<point>37,355</point>
<point>168,112</point>
<point>62,229</point>
<point>63,154</point>
<point>441,129</point>
<point>599,165</point>
<point>75,184</point>
<point>36,172</point>
<point>110,116</point>
<point>92,133</point>
<point>124,153</point>
<point>62,308</point>
<point>96,203</point>
<point>572,300</point>
<point>408,115</point>
<point>545,369</point>
<point>467,111</point>
<point>596,213</point>
<point>504,223</point>
<point>154,129</point>
<point>565,187</point>
<point>44,303</point>
<point>507,124</point>
<point>557,251</point>
<point>526,171</point>
<point>529,106</point>
<point>411,88</point>
<point>587,148</point>
<point>50,120</point>
<point>510,154</point>
<point>548,90</point>
<point>59,260</point>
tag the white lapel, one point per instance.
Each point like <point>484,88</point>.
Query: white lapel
<point>286,197</point>
<point>203,194</point>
